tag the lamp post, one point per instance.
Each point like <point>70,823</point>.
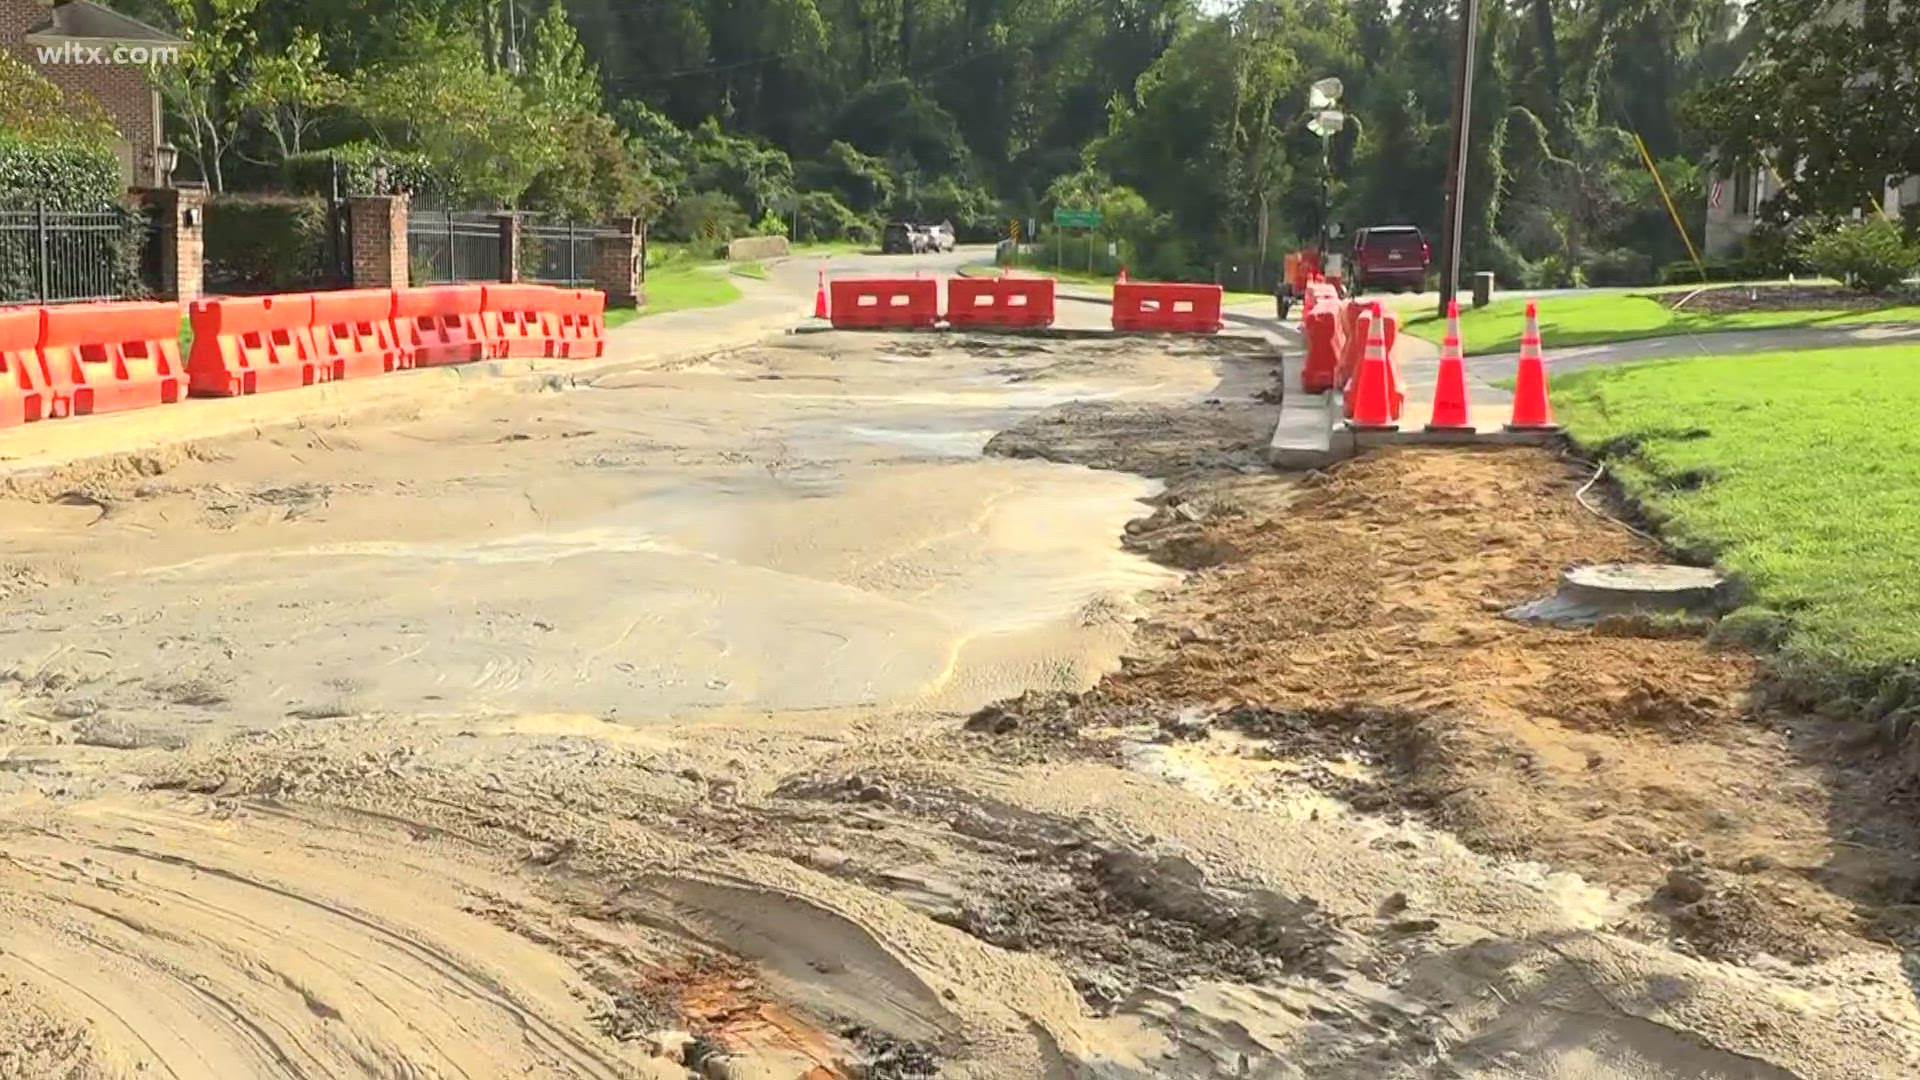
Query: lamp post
<point>1323,100</point>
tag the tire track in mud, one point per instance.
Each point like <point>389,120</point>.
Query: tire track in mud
<point>213,957</point>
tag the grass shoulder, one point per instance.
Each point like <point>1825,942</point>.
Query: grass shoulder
<point>1598,317</point>
<point>1797,472</point>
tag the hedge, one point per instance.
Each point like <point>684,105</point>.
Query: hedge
<point>63,176</point>
<point>311,172</point>
<point>265,244</point>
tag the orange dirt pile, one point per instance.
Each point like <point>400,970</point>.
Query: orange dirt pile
<point>1362,618</point>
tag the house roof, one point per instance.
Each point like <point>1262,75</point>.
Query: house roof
<point>84,20</point>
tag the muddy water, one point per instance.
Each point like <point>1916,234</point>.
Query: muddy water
<point>805,527</point>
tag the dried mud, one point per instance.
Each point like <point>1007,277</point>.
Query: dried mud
<point>1315,811</point>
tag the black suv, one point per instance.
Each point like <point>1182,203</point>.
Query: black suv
<point>899,238</point>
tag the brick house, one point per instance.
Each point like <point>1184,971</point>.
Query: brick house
<point>89,49</point>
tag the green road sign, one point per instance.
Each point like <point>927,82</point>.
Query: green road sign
<point>1077,219</point>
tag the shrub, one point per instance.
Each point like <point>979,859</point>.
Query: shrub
<point>1777,245</point>
<point>1619,266</point>
<point>823,217</point>
<point>265,244</point>
<point>705,215</point>
<point>62,175</point>
<point>360,164</point>
<point>1871,254</point>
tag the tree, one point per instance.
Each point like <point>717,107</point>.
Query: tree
<point>199,85</point>
<point>33,109</point>
<point>1827,102</point>
<point>287,92</point>
<point>449,102</point>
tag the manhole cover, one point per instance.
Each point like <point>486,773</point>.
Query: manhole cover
<point>1588,594</point>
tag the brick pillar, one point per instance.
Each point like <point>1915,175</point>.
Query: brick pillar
<point>618,263</point>
<point>378,225</point>
<point>509,245</point>
<point>181,214</point>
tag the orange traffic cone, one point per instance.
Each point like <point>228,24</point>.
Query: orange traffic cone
<point>1450,390</point>
<point>820,296</point>
<point>1372,389</point>
<point>1122,279</point>
<point>1531,410</point>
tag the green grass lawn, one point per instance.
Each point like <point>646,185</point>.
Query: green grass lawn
<point>621,316</point>
<point>832,247</point>
<point>1592,318</point>
<point>755,270</point>
<point>681,288</point>
<point>1799,471</point>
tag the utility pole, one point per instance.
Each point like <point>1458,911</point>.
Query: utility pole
<point>513,39</point>
<point>1457,155</point>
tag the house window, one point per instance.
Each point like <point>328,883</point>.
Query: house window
<point>1743,193</point>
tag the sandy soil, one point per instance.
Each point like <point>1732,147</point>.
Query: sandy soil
<point>744,720</point>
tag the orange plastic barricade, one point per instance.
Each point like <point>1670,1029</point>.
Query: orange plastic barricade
<point>1167,307</point>
<point>251,344</point>
<point>439,325</point>
<point>526,318</point>
<point>23,389</point>
<point>353,334</point>
<point>1322,365</point>
<point>999,302</point>
<point>868,303</point>
<point>110,357</point>
<point>581,326</point>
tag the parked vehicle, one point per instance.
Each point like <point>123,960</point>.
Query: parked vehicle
<point>941,236</point>
<point>1390,257</point>
<point>900,238</point>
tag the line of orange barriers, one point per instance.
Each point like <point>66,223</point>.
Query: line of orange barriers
<point>914,304</point>
<point>1336,331</point>
<point>79,359</point>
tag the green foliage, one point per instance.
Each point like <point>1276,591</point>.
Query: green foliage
<point>708,215</point>
<point>286,92</point>
<point>1872,254</point>
<point>1828,102</point>
<point>62,175</point>
<point>860,181</point>
<point>200,85</point>
<point>824,218</point>
<point>34,110</point>
<point>446,101</point>
<point>366,169</point>
<point>263,244</point>
<point>770,224</point>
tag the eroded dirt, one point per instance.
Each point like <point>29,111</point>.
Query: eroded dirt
<point>1313,810</point>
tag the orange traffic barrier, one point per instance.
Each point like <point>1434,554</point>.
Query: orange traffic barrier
<point>439,325</point>
<point>526,318</point>
<point>885,303</point>
<point>1166,307</point>
<point>580,331</point>
<point>23,389</point>
<point>999,302</point>
<point>1531,409</point>
<point>251,344</point>
<point>353,334</point>
<point>1372,397</point>
<point>109,357</point>
<point>1450,388</point>
<point>1317,374</point>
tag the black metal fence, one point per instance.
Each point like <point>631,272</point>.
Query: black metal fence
<point>61,256</point>
<point>558,254</point>
<point>446,246</point>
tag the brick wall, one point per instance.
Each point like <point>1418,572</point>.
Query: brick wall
<point>121,89</point>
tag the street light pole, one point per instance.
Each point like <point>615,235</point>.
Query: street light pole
<point>1457,155</point>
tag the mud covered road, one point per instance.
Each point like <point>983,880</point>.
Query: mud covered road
<point>745,719</point>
